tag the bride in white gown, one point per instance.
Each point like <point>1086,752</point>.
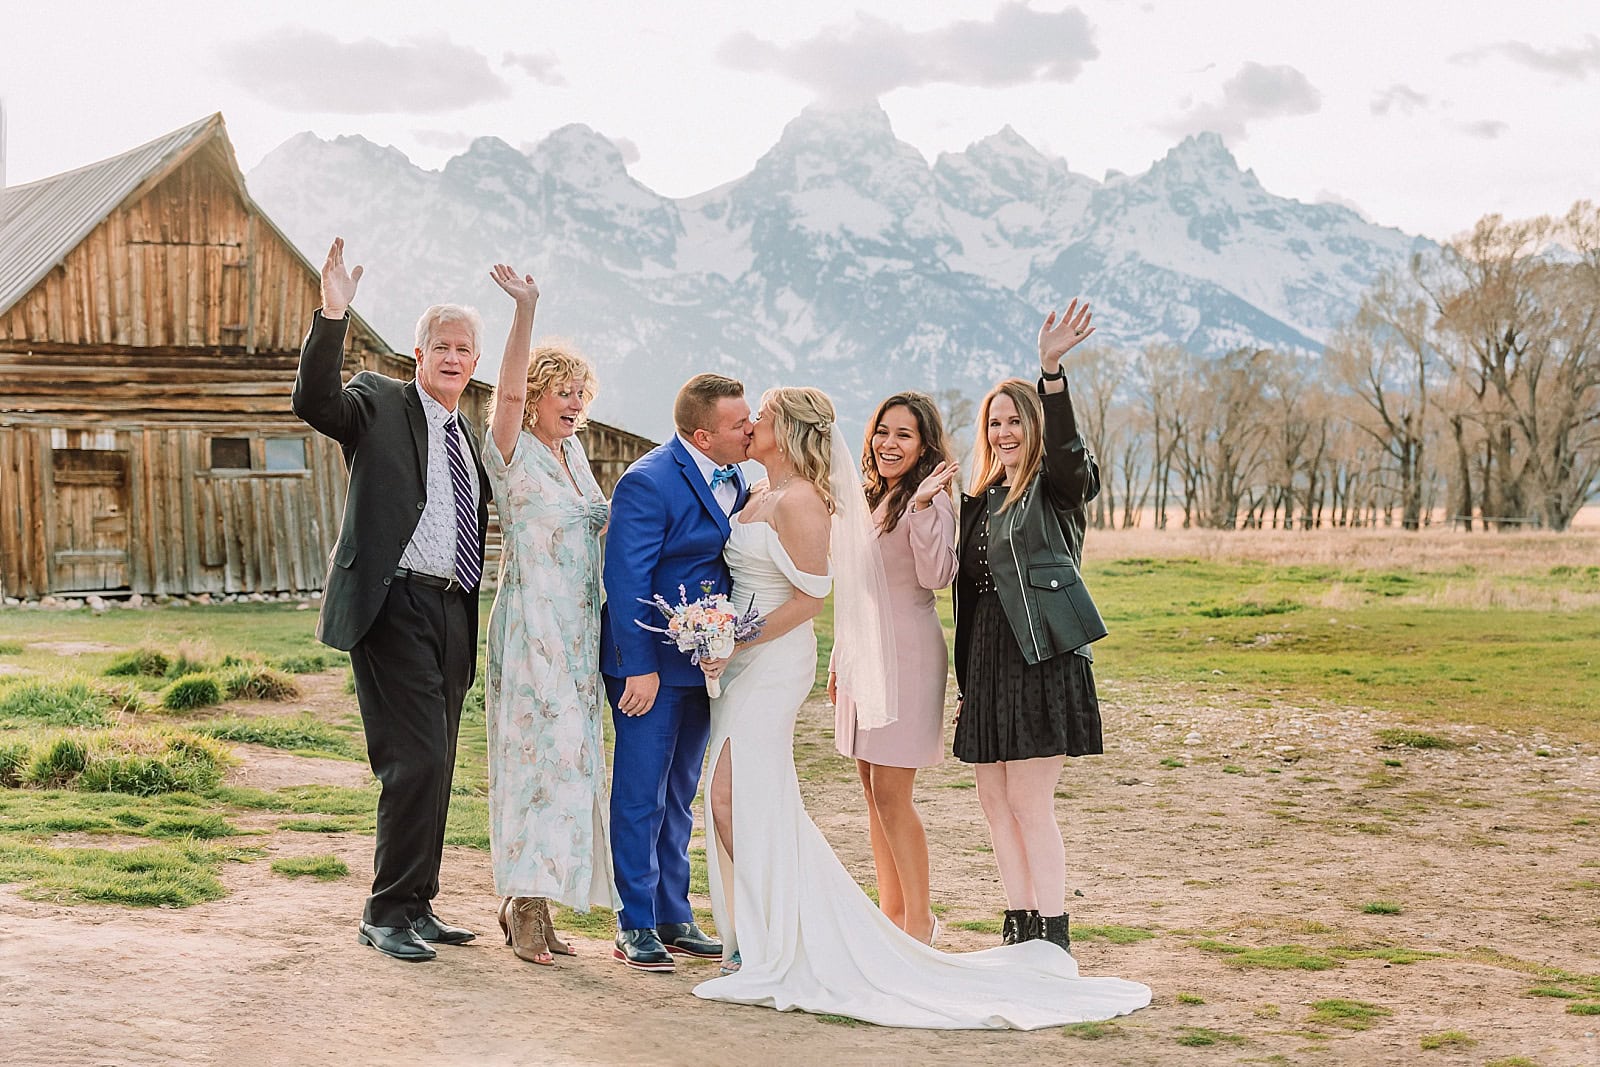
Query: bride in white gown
<point>806,936</point>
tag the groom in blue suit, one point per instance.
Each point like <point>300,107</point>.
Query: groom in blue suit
<point>670,515</point>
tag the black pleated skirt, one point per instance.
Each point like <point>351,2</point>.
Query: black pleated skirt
<point>1013,710</point>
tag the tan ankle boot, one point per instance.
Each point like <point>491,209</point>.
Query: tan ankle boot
<point>528,932</point>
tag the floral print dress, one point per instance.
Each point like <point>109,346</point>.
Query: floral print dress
<point>543,695</point>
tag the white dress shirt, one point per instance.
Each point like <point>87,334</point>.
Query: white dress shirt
<point>726,494</point>
<point>432,548</point>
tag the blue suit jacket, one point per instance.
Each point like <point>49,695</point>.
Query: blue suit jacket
<point>666,530</point>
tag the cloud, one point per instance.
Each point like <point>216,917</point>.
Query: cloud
<point>1488,129</point>
<point>869,57</point>
<point>1401,98</point>
<point>308,70</point>
<point>540,66</point>
<point>629,150</point>
<point>1568,64</point>
<point>1255,93</point>
<point>442,138</point>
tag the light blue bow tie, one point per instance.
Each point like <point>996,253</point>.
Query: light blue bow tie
<point>722,474</point>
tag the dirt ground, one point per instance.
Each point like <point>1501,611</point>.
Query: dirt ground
<point>1488,850</point>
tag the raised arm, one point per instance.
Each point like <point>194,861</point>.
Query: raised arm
<point>511,389</point>
<point>319,396</point>
<point>1071,474</point>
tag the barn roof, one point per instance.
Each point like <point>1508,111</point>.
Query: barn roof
<point>43,221</point>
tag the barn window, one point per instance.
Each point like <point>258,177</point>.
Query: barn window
<point>286,453</point>
<point>230,453</point>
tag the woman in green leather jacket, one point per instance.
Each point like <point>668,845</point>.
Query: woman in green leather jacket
<point>1024,623</point>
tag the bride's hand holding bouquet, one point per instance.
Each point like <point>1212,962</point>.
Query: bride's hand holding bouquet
<point>709,629</point>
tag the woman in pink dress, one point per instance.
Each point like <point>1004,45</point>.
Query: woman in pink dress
<point>908,469</point>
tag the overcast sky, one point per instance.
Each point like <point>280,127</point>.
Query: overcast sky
<point>1423,114</point>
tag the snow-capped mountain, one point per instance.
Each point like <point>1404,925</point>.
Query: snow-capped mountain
<point>843,259</point>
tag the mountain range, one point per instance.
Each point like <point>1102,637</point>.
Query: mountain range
<point>844,259</point>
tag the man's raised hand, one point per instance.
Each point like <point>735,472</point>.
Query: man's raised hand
<point>521,288</point>
<point>338,284</point>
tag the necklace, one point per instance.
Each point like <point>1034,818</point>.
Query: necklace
<point>774,488</point>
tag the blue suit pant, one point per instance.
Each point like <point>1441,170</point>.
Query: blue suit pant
<point>655,774</point>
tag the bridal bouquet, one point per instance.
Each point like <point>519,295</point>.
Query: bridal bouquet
<point>707,628</point>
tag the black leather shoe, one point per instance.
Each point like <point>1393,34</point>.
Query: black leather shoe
<point>401,942</point>
<point>687,939</point>
<point>643,950</point>
<point>430,928</point>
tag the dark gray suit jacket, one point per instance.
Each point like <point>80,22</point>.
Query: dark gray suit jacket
<point>379,423</point>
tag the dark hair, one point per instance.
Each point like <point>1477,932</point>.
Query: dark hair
<point>697,401</point>
<point>935,450</point>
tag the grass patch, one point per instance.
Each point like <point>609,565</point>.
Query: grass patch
<point>140,663</point>
<point>1583,1009</point>
<point>1190,998</point>
<point>1201,1036</point>
<point>1272,957</point>
<point>254,682</point>
<point>1448,1039</point>
<point>1554,991</point>
<point>979,926</point>
<point>1117,935</point>
<point>140,762</point>
<point>304,735</point>
<point>175,875</point>
<point>10,648</point>
<point>342,825</point>
<point>1347,1014</point>
<point>1401,738</point>
<point>1173,763</point>
<point>1247,609</point>
<point>303,799</point>
<point>839,1020</point>
<point>306,662</point>
<point>322,868</point>
<point>1512,1061</point>
<point>1380,907</point>
<point>193,690</point>
<point>1092,1031</point>
<point>55,703</point>
<point>599,923</point>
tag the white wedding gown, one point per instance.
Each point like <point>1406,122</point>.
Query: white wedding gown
<point>810,939</point>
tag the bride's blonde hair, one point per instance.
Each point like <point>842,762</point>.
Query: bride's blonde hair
<point>802,422</point>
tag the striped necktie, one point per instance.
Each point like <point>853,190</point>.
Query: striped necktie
<point>469,553</point>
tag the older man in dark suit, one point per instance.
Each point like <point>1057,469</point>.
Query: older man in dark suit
<point>401,594</point>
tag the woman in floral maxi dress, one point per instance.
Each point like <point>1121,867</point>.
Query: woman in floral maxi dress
<point>543,695</point>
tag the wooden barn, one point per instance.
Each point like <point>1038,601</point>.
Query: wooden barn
<point>150,325</point>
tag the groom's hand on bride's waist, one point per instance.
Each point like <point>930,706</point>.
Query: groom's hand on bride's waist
<point>639,694</point>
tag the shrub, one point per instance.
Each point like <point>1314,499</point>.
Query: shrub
<point>56,703</point>
<point>141,662</point>
<point>255,682</point>
<point>196,690</point>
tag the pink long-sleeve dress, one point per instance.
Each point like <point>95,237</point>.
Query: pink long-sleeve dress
<point>919,557</point>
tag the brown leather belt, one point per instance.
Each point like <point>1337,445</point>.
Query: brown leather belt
<point>431,581</point>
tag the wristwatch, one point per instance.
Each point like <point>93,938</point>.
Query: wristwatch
<point>1056,377</point>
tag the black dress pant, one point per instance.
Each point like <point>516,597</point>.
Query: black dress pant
<point>412,671</point>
